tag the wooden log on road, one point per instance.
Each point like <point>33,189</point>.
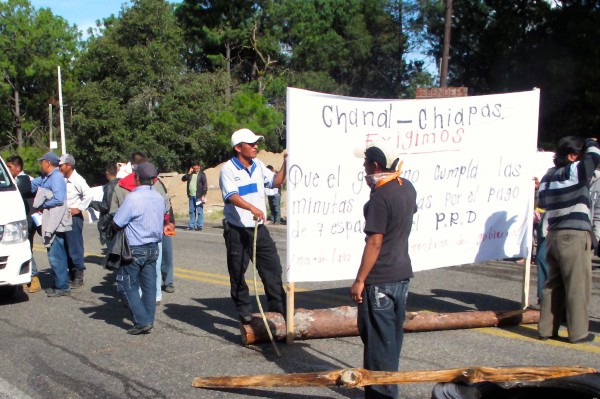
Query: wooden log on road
<point>352,378</point>
<point>341,322</point>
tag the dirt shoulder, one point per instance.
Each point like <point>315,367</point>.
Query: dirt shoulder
<point>214,202</point>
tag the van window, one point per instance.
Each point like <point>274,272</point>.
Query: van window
<point>6,182</point>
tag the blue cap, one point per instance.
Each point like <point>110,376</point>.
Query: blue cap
<point>50,157</point>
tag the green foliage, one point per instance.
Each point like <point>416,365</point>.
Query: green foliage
<point>129,72</point>
<point>32,44</point>
<point>502,46</point>
<point>249,110</point>
<point>30,156</point>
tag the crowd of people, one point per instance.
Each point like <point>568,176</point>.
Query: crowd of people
<point>136,217</point>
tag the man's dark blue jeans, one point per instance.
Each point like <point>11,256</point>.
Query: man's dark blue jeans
<point>141,273</point>
<point>380,325</point>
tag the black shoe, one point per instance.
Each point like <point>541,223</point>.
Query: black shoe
<point>198,228</point>
<point>246,318</point>
<point>170,289</point>
<point>189,229</point>
<point>588,338</point>
<point>543,338</point>
<point>53,292</point>
<point>140,330</point>
<point>76,283</point>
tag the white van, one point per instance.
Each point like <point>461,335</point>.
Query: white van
<point>15,254</point>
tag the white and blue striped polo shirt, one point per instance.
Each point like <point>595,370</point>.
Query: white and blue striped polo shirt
<point>250,184</point>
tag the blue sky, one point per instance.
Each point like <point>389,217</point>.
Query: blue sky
<point>83,13</point>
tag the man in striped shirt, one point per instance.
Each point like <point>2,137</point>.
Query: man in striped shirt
<point>565,195</point>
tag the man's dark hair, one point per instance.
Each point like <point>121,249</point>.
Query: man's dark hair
<point>15,160</point>
<point>196,162</point>
<point>566,146</point>
<point>111,168</point>
<point>138,157</point>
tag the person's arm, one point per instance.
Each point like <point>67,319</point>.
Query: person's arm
<point>591,160</point>
<point>280,176</point>
<point>369,257</point>
<point>58,186</point>
<point>202,186</point>
<point>187,176</point>
<point>595,200</point>
<point>238,201</point>
<point>85,195</point>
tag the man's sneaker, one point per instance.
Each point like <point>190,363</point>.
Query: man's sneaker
<point>140,330</point>
<point>246,318</point>
<point>189,229</point>
<point>170,289</point>
<point>76,283</point>
<point>53,292</point>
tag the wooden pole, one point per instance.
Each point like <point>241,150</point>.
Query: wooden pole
<point>290,314</point>
<point>352,378</point>
<point>446,45</point>
<point>341,322</point>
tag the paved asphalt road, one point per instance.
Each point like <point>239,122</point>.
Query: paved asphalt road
<point>76,347</point>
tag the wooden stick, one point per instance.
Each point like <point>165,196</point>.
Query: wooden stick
<point>290,313</point>
<point>341,322</point>
<point>357,377</point>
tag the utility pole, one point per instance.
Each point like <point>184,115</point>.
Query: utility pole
<point>61,115</point>
<point>446,47</point>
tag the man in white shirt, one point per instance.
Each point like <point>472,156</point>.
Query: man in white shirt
<point>243,181</point>
<point>79,197</point>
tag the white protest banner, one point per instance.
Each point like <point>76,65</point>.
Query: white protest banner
<point>468,158</point>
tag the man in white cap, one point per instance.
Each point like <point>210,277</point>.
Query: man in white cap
<point>79,197</point>
<point>243,181</point>
<point>381,285</point>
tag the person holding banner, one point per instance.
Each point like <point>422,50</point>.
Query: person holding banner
<point>565,195</point>
<point>243,181</point>
<point>381,285</point>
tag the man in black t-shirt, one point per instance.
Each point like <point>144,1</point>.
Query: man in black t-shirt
<point>381,285</point>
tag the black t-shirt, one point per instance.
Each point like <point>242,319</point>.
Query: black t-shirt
<point>390,211</point>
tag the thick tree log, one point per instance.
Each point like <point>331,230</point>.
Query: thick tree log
<point>341,322</point>
<point>351,378</point>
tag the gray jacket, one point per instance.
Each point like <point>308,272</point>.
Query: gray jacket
<point>54,220</point>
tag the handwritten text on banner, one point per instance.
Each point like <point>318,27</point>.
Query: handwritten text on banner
<point>469,159</point>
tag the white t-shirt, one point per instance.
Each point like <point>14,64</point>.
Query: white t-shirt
<point>250,184</point>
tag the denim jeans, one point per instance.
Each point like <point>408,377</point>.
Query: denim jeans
<point>380,325</point>
<point>57,257</point>
<point>140,274</point>
<point>34,270</point>
<point>158,274</point>
<point>74,244</point>
<point>196,213</point>
<point>167,261</point>
<point>275,207</point>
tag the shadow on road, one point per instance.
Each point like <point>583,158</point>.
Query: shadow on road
<point>445,301</point>
<point>209,316</point>
<point>112,311</point>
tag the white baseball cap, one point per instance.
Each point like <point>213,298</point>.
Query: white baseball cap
<point>244,136</point>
